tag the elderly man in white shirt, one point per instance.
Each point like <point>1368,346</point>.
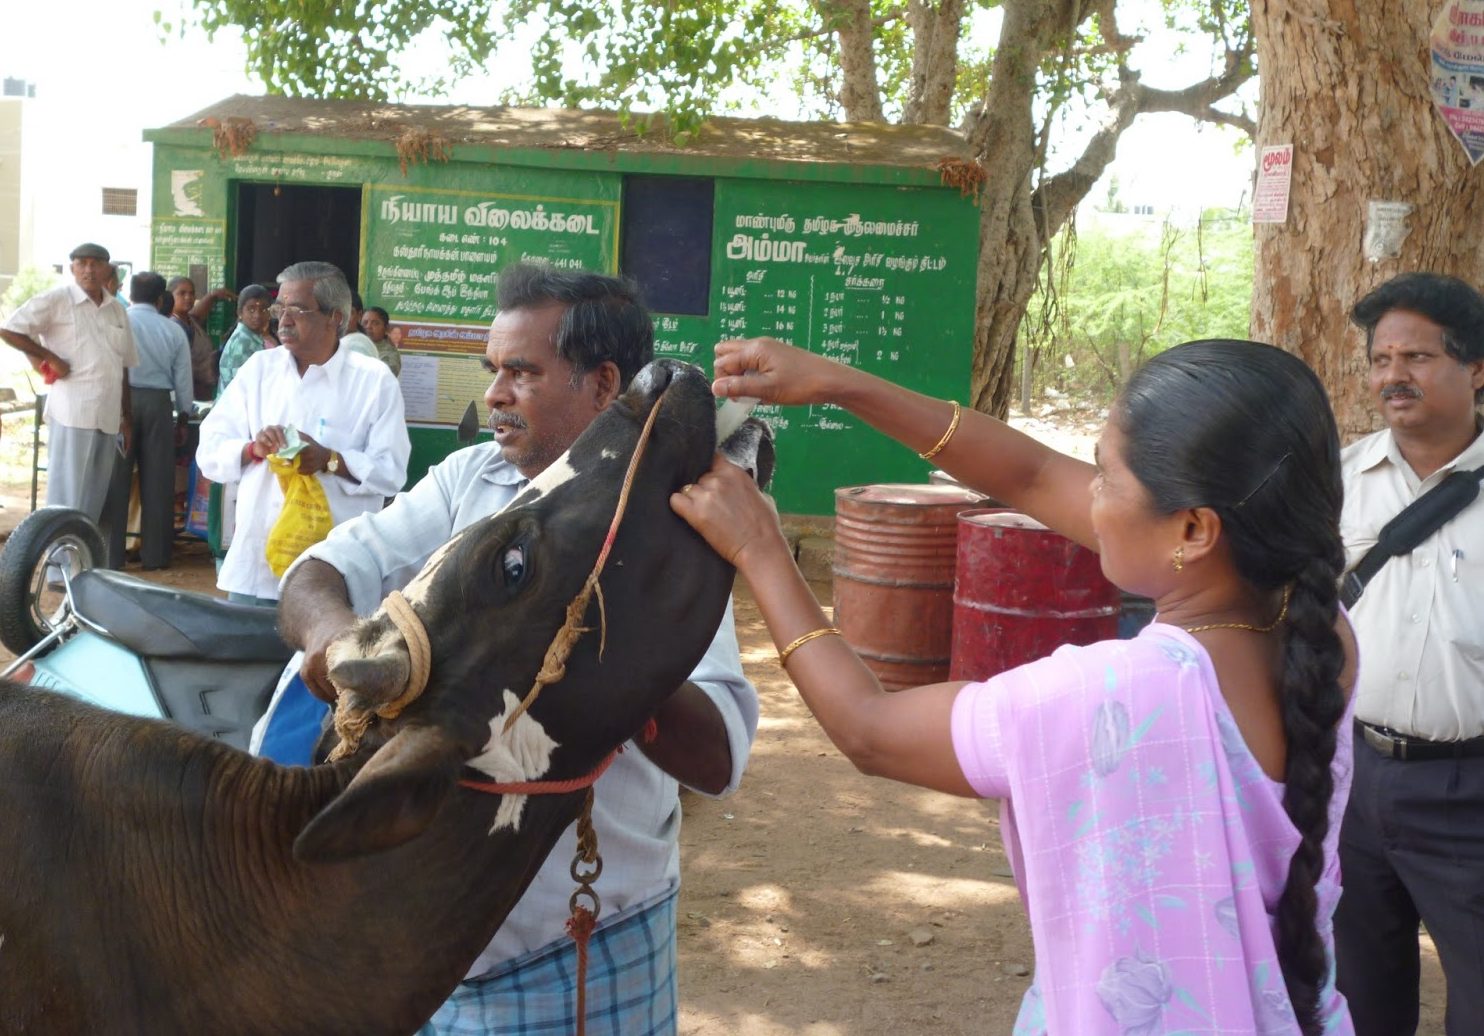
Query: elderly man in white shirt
<point>79,335</point>
<point>563,346</point>
<point>346,408</point>
<point>1412,842</point>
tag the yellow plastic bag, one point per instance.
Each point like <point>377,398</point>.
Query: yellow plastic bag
<point>305,519</point>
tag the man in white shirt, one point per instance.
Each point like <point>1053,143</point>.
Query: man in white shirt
<point>346,408</point>
<point>78,337</point>
<point>355,338</point>
<point>164,367</point>
<point>564,345</point>
<point>1412,842</point>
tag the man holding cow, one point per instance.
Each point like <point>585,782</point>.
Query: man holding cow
<point>563,346</point>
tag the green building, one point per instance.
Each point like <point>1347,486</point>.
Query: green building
<point>839,238</point>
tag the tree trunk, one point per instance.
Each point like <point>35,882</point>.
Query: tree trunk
<point>860,95</point>
<point>1347,84</point>
<point>1002,136</point>
<point>935,33</point>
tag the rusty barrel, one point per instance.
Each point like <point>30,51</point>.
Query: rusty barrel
<point>893,569</point>
<point>1020,592</point>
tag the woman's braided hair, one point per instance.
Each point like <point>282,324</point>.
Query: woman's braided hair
<point>1246,430</point>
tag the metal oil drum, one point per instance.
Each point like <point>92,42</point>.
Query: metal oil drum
<point>895,547</point>
<point>1020,592</point>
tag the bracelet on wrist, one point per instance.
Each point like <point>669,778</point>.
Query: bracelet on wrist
<point>823,631</point>
<point>952,427</point>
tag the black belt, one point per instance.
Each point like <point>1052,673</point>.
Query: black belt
<point>1407,748</point>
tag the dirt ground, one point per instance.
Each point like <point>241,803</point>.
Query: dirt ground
<point>820,902</point>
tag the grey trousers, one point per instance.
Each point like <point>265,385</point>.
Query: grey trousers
<point>153,450</point>
<point>1411,848</point>
<point>79,464</point>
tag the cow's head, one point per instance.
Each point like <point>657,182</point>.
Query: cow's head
<point>493,598</point>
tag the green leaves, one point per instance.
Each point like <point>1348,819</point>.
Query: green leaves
<point>1130,287</point>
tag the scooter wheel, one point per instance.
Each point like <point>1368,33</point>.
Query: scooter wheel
<point>48,541</point>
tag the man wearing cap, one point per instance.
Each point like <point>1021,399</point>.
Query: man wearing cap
<point>78,337</point>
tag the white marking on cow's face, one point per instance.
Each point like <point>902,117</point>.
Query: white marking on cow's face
<point>522,754</point>
<point>416,592</point>
<point>560,471</point>
<point>608,453</point>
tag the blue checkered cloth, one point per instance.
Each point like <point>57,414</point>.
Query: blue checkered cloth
<point>630,986</point>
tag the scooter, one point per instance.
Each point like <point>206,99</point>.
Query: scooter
<point>133,646</point>
<point>125,644</point>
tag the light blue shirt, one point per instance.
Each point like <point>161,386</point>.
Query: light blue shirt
<point>164,354</point>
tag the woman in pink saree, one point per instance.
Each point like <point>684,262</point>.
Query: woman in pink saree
<point>1171,803</point>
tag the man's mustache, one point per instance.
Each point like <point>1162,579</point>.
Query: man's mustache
<point>505,417</point>
<point>1401,390</point>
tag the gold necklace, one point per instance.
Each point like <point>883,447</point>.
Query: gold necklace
<point>1282,614</point>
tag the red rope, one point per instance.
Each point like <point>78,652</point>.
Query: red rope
<point>580,927</point>
<point>647,735</point>
<point>544,787</point>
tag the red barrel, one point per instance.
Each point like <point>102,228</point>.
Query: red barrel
<point>895,547</point>
<point>1020,592</point>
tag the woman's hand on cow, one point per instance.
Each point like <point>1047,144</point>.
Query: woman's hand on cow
<point>726,507</point>
<point>775,372</point>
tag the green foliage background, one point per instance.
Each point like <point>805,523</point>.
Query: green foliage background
<point>1124,287</point>
<point>30,280</point>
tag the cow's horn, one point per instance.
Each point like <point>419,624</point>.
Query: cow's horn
<point>376,680</point>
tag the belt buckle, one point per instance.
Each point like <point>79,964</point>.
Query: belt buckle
<point>1386,744</point>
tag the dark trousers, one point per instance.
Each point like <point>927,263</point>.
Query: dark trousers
<point>153,449</point>
<point>1411,848</point>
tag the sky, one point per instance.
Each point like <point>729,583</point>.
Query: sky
<point>104,73</point>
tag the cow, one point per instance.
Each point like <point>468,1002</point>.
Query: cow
<point>153,881</point>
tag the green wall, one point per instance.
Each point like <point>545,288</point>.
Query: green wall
<point>874,267</point>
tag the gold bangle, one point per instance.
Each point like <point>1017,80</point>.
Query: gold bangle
<point>952,427</point>
<point>823,631</point>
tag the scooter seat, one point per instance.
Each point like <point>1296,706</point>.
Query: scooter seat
<point>159,622</point>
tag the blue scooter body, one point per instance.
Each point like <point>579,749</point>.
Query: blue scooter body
<point>77,669</point>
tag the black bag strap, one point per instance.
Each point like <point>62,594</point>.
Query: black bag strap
<point>1415,523</point>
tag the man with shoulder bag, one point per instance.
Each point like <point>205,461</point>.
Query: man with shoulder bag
<point>1412,842</point>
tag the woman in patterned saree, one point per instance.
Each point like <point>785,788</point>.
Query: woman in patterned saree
<point>1171,803</point>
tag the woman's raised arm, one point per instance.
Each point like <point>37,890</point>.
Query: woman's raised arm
<point>983,453</point>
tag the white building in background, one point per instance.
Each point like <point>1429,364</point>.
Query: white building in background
<point>63,184</point>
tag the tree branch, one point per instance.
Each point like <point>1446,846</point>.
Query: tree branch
<point>1107,12</point>
<point>879,22</point>
<point>1055,198</point>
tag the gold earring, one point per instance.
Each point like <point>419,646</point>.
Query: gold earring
<point>1179,561</point>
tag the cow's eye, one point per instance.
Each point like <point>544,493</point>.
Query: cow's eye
<point>514,564</point>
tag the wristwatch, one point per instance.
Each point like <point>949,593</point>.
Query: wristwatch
<point>333,464</point>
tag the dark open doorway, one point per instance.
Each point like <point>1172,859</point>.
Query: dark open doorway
<point>281,224</point>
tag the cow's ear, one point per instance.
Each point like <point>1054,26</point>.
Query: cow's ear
<point>391,801</point>
<point>750,447</point>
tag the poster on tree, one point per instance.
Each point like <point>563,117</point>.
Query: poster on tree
<point>1458,72</point>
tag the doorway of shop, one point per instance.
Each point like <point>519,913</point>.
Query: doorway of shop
<point>278,225</point>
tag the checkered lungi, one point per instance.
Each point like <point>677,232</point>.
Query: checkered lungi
<point>630,986</point>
